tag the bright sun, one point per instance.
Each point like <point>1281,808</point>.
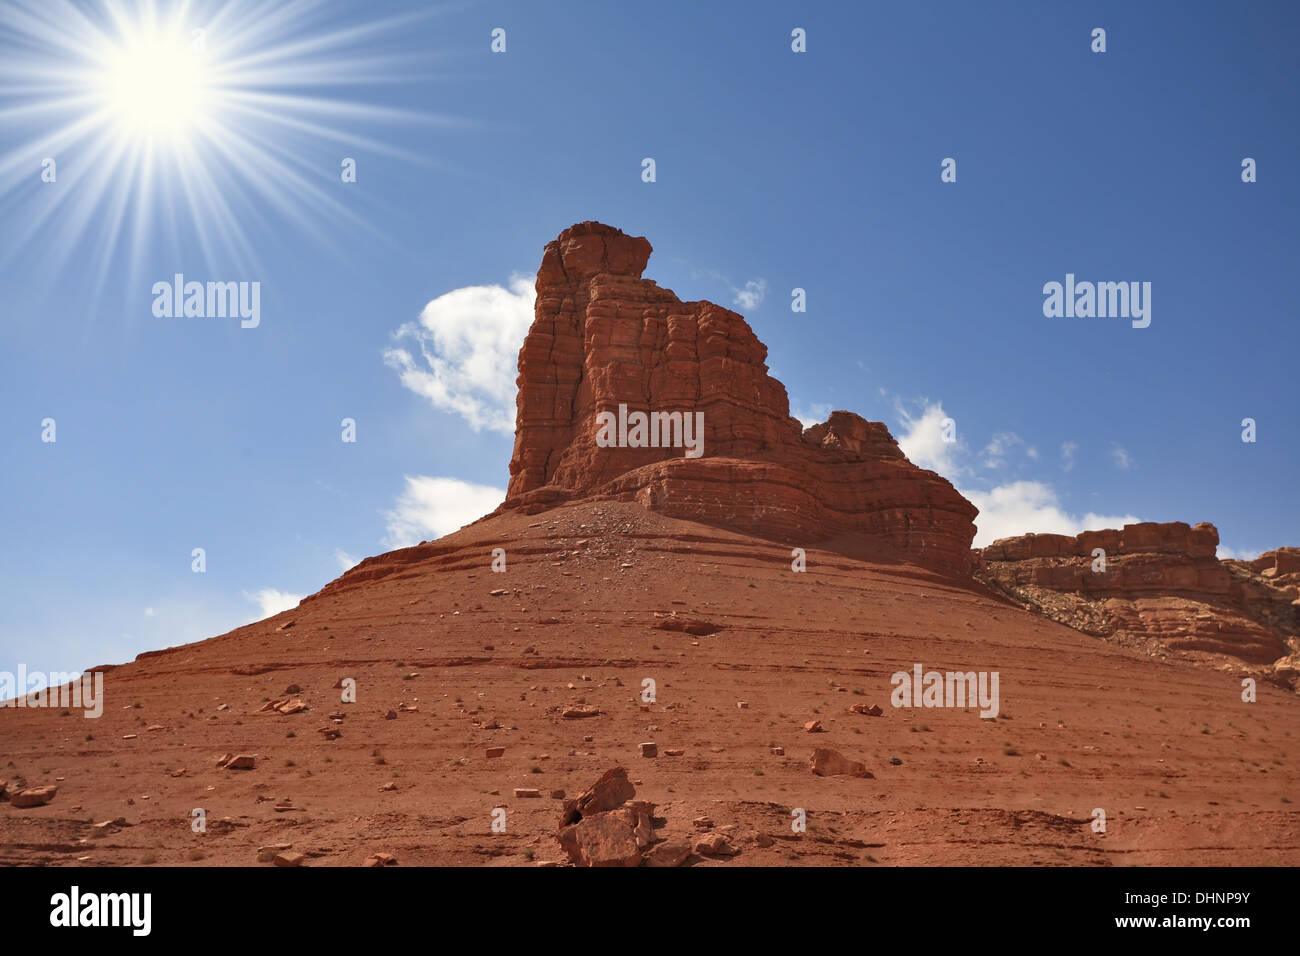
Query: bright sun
<point>156,85</point>
<point>201,121</point>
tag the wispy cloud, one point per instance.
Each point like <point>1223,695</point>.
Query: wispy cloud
<point>1123,461</point>
<point>1240,554</point>
<point>1001,445</point>
<point>1068,448</point>
<point>752,295</point>
<point>813,414</point>
<point>463,351</point>
<point>345,560</point>
<point>747,297</point>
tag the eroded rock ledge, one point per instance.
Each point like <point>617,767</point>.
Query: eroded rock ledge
<point>1162,587</point>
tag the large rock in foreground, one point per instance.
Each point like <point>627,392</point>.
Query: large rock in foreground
<point>603,337</point>
<point>603,826</point>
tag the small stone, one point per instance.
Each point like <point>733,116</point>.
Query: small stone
<point>667,854</point>
<point>288,858</point>
<point>496,751</point>
<point>742,705</point>
<point>525,792</point>
<point>713,844</point>
<point>242,762</point>
<point>649,749</point>
<point>777,751</point>
<point>813,727</point>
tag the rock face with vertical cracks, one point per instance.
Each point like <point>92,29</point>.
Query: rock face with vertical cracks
<point>603,336</point>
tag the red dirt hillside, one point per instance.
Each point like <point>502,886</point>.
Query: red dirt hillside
<point>633,608</point>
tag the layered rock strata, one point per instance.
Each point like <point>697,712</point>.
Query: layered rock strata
<point>1159,585</point>
<point>605,342</point>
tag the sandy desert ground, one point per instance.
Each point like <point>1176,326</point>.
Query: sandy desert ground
<point>597,597</point>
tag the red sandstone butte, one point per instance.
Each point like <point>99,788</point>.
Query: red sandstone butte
<point>603,336</point>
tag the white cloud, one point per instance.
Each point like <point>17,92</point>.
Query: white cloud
<point>1120,457</point>
<point>345,560</point>
<point>1022,507</point>
<point>431,507</point>
<point>272,602</point>
<point>1240,554</point>
<point>1000,445</point>
<point>149,612</point>
<point>814,414</point>
<point>751,297</point>
<point>748,298</point>
<point>1006,510</point>
<point>922,439</point>
<point>462,354</point>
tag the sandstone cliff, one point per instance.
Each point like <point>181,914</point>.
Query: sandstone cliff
<point>1161,587</point>
<point>603,337</point>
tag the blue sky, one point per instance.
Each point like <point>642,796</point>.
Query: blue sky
<point>774,170</point>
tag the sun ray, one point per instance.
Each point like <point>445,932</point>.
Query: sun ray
<point>188,123</point>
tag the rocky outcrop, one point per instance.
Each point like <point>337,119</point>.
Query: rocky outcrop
<point>1280,567</point>
<point>604,340</point>
<point>1156,585</point>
